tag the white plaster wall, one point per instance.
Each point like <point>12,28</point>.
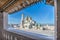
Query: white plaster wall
<point>5,20</point>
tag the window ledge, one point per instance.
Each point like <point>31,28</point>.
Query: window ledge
<point>31,35</point>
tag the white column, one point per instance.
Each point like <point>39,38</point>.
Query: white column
<point>5,20</point>
<point>55,4</point>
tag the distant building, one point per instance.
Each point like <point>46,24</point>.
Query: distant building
<point>28,23</point>
<point>13,25</point>
<point>49,27</point>
<point>22,21</point>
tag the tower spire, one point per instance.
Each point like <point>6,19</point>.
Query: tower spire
<point>22,17</point>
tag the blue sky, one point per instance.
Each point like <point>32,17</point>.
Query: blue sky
<point>40,12</point>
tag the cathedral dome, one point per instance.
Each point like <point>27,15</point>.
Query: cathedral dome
<point>28,18</point>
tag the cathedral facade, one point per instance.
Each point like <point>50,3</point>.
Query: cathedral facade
<point>28,23</point>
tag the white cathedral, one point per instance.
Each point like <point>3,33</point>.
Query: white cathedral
<point>28,23</point>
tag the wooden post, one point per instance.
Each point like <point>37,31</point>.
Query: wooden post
<point>58,19</point>
<point>3,23</point>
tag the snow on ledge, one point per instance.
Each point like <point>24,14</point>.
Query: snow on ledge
<point>31,35</point>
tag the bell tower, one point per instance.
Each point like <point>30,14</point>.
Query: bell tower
<point>22,21</point>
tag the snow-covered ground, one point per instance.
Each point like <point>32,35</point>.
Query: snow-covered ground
<point>44,32</point>
<point>35,34</point>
